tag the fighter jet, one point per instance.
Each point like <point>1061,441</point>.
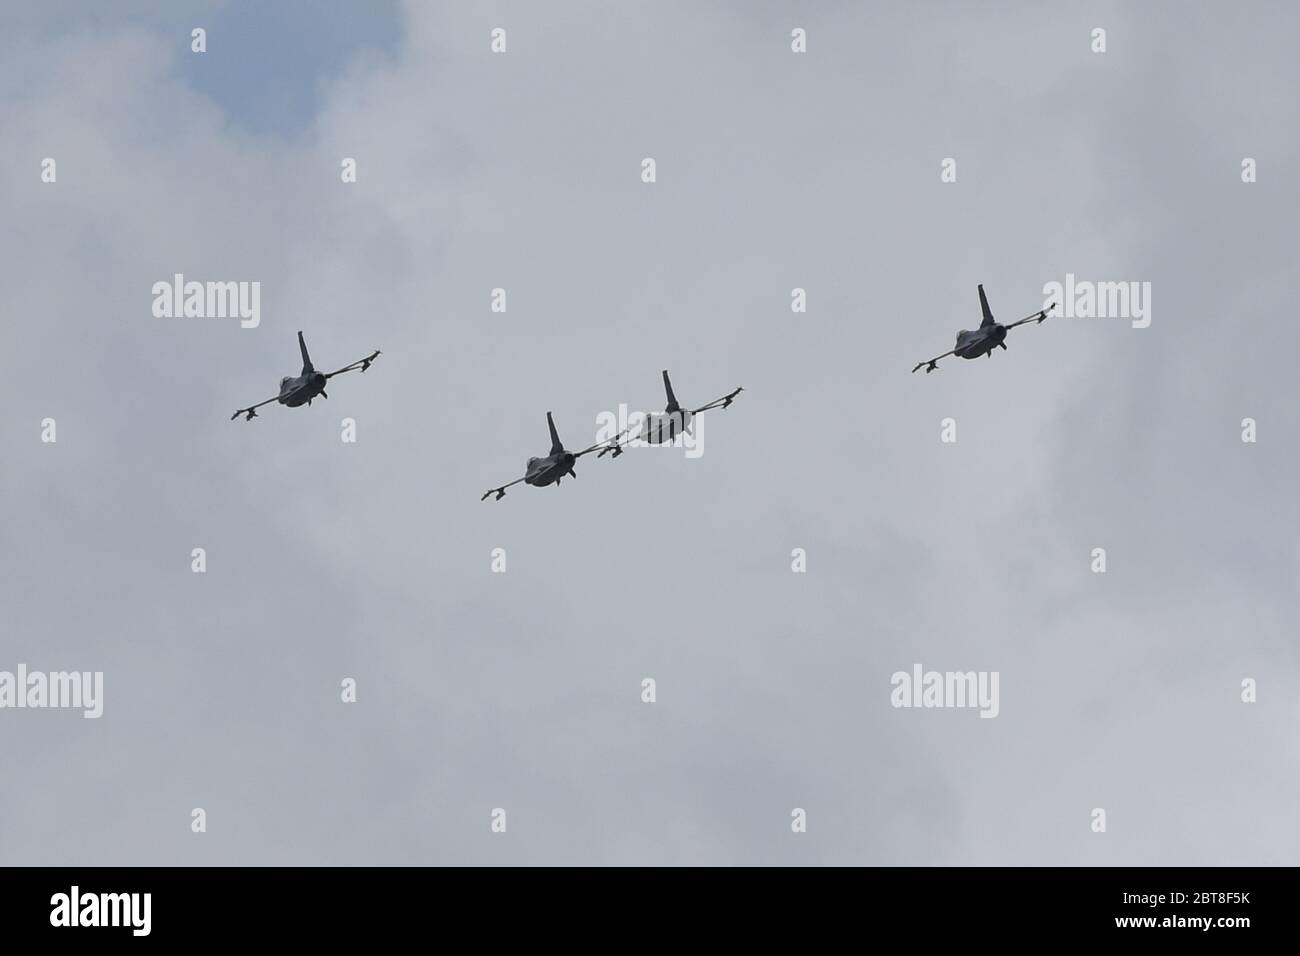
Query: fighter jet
<point>306,386</point>
<point>548,470</point>
<point>982,341</point>
<point>675,420</point>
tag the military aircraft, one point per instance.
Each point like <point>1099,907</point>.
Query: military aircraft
<point>982,341</point>
<point>547,470</point>
<point>306,386</point>
<point>675,420</point>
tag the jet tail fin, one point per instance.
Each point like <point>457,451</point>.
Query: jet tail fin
<point>984,306</point>
<point>672,399</point>
<point>556,445</point>
<point>306,359</point>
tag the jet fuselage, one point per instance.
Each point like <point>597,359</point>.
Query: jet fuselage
<point>974,343</point>
<point>545,471</point>
<point>662,429</point>
<point>300,389</point>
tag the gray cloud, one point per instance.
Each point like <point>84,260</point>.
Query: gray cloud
<point>521,690</point>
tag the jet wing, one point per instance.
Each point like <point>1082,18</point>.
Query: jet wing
<point>614,445</point>
<point>501,491</point>
<point>251,411</point>
<point>932,363</point>
<point>1036,317</point>
<point>362,364</point>
<point>722,402</point>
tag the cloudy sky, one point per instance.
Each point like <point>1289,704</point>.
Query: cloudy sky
<point>372,560</point>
